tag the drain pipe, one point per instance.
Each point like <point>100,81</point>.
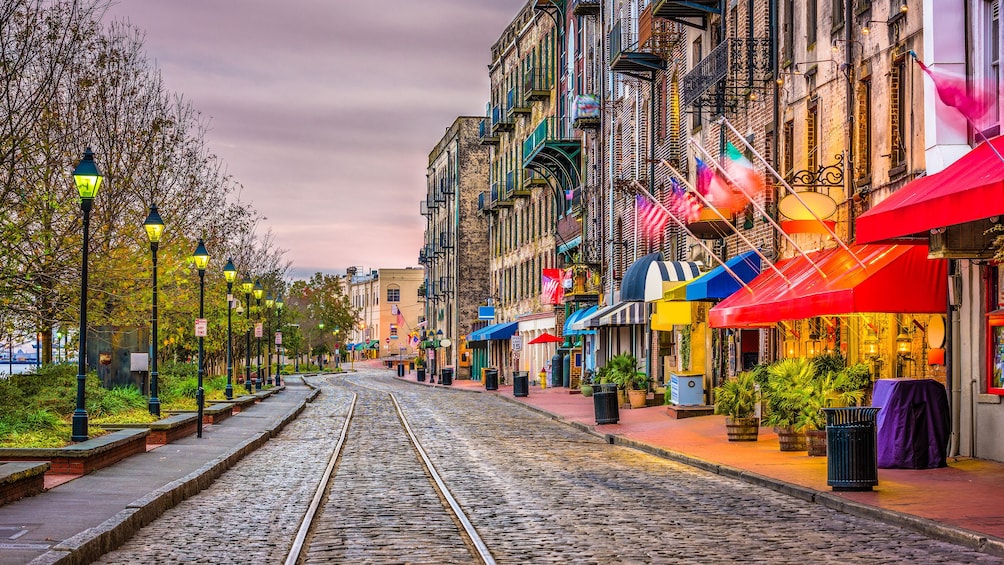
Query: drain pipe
<point>952,375</point>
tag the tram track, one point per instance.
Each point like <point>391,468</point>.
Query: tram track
<point>382,496</point>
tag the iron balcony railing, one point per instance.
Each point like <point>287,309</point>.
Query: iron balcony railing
<point>495,192</point>
<point>745,61</point>
<point>446,240</point>
<point>706,74</point>
<point>551,128</point>
<point>483,200</point>
<point>536,84</point>
<point>511,183</point>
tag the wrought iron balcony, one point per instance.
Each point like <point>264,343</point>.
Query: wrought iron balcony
<point>629,55</point>
<point>499,198</point>
<point>531,179</point>
<point>485,132</point>
<point>485,202</point>
<point>676,9</point>
<point>501,121</point>
<point>586,7</point>
<point>514,103</point>
<point>446,240</point>
<point>554,148</point>
<point>733,69</point>
<point>536,85</point>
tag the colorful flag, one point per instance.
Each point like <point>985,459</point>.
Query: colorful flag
<point>704,176</point>
<point>690,208</point>
<point>652,219</point>
<point>570,194</point>
<point>551,291</point>
<point>952,91</point>
<point>742,171</point>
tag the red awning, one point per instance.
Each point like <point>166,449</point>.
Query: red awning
<point>899,279</point>
<point>969,189</point>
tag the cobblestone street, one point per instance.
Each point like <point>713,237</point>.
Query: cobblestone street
<point>536,490</point>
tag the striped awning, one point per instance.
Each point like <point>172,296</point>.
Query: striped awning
<point>621,314</point>
<point>664,276</point>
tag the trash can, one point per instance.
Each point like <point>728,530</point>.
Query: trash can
<point>421,374</point>
<point>851,448</point>
<point>520,384</point>
<point>605,404</point>
<point>400,369</point>
<point>492,379</point>
<point>446,376</point>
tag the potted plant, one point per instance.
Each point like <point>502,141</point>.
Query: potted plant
<point>834,389</point>
<point>586,386</point>
<point>786,396</point>
<point>622,369</point>
<point>737,399</point>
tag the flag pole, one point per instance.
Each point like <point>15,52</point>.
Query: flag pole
<point>784,183</point>
<point>683,226</point>
<point>719,214</point>
<point>756,205</point>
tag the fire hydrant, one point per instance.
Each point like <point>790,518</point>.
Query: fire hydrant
<point>543,378</point>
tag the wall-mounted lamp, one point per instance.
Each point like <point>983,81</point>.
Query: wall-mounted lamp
<point>903,9</point>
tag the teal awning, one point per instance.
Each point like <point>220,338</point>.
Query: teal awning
<point>578,317</point>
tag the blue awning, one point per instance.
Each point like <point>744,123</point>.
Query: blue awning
<point>718,284</point>
<point>578,317</point>
<point>633,284</point>
<point>494,332</point>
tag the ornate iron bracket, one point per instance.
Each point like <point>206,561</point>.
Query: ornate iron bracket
<point>825,175</point>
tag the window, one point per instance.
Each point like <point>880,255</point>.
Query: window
<point>864,126</point>
<point>393,330</point>
<point>788,150</point>
<point>810,22</point>
<point>990,124</point>
<point>812,137</point>
<point>897,112</point>
<point>393,294</point>
<point>837,7</point>
<point>788,29</point>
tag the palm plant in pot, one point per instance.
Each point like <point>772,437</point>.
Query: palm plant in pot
<point>737,399</point>
<point>834,389</point>
<point>786,398</point>
<point>623,370</point>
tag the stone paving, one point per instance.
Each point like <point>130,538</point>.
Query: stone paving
<point>537,491</point>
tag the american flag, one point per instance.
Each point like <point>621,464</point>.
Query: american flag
<point>652,219</point>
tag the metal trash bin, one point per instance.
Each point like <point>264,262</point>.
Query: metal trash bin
<point>851,448</point>
<point>446,376</point>
<point>421,374</point>
<point>400,369</point>
<point>605,405</point>
<point>520,384</point>
<point>492,379</point>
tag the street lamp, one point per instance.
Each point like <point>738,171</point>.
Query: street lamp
<point>269,304</point>
<point>338,356</point>
<point>154,227</point>
<point>247,286</point>
<point>201,258</point>
<point>278,316</point>
<point>259,290</point>
<point>320,364</point>
<point>230,274</point>
<point>88,180</point>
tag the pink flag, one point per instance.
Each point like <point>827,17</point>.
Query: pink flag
<point>742,171</point>
<point>952,91</point>
<point>551,291</point>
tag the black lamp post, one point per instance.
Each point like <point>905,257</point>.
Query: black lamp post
<point>259,290</point>
<point>269,304</point>
<point>88,180</point>
<point>201,258</point>
<point>230,274</point>
<point>154,226</point>
<point>278,324</point>
<point>247,286</point>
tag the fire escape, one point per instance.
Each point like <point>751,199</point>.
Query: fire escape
<point>733,74</point>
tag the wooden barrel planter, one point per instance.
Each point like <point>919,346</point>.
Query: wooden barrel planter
<point>816,442</point>
<point>791,440</point>
<point>742,429</point>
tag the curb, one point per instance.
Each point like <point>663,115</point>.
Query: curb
<point>91,544</point>
<point>959,536</point>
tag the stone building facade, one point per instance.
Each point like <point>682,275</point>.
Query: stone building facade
<point>390,309</point>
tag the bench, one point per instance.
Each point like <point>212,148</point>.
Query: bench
<point>165,430</point>
<point>263,394</point>
<point>86,456</point>
<point>241,403</point>
<point>21,479</point>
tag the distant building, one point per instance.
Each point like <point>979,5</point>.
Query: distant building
<point>389,309</point>
<point>456,239</point>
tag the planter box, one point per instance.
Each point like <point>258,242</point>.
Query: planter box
<point>21,479</point>
<point>165,430</point>
<point>86,456</point>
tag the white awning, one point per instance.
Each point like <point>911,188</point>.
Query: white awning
<point>620,314</point>
<point>664,276</point>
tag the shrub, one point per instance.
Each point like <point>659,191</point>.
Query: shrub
<point>119,399</point>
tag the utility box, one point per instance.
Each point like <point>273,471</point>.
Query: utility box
<point>686,389</point>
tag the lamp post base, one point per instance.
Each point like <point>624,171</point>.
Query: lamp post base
<point>79,426</point>
<point>229,391</point>
<point>155,406</point>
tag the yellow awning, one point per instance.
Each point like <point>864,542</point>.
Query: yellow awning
<point>674,291</point>
<point>669,313</point>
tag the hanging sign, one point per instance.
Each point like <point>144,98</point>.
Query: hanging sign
<point>258,330</point>
<point>201,327</point>
<point>278,338</point>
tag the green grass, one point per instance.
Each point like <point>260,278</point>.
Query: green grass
<point>36,409</point>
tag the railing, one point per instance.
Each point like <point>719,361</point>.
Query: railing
<point>707,73</point>
<point>585,7</point>
<point>495,192</point>
<point>446,285</point>
<point>446,186</point>
<point>747,58</point>
<point>551,128</point>
<point>496,115</point>
<point>511,100</point>
<point>511,183</point>
<point>484,128</point>
<point>439,196</point>
<point>445,241</point>
<point>483,200</point>
<point>432,203</point>
<point>536,84</point>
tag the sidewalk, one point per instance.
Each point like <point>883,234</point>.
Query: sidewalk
<point>962,503</point>
<point>91,514</point>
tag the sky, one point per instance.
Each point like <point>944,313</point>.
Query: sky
<point>326,110</point>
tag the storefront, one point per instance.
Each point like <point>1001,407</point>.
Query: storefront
<point>490,347</point>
